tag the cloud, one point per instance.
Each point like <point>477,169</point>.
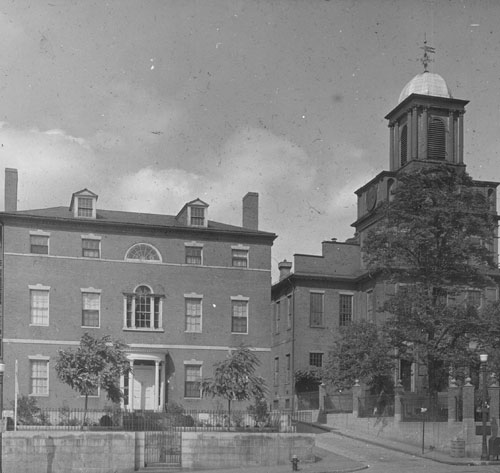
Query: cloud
<point>52,165</point>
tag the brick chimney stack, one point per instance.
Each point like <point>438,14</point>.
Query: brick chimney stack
<point>10,190</point>
<point>251,211</point>
<point>285,268</point>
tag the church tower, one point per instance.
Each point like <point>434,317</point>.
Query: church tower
<point>425,128</point>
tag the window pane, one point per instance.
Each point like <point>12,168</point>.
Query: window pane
<point>197,216</point>
<point>345,309</point>
<point>143,252</point>
<point>90,248</point>
<point>240,258</point>
<point>239,320</point>
<point>193,315</point>
<point>39,244</point>
<point>316,359</point>
<point>39,307</point>
<point>192,381</point>
<point>84,207</point>
<point>39,377</point>
<point>91,307</point>
<point>193,255</point>
<point>316,316</point>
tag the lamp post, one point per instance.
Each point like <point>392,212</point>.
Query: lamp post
<point>2,371</point>
<point>484,450</point>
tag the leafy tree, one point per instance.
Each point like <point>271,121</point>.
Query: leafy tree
<point>435,235</point>
<point>96,363</point>
<point>361,351</point>
<point>235,378</point>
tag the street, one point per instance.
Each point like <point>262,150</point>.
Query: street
<point>382,460</point>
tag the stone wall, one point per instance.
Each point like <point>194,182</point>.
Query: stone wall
<point>67,452</point>
<point>226,449</point>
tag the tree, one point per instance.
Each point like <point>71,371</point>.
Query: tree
<point>96,363</point>
<point>235,378</point>
<point>361,351</point>
<point>435,235</point>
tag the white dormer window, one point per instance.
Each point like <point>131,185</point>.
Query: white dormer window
<point>83,204</point>
<point>197,216</point>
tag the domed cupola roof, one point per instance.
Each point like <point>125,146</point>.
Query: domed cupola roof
<point>427,83</point>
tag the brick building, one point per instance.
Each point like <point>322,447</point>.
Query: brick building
<point>179,290</point>
<point>329,290</point>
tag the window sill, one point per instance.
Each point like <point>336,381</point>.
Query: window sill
<point>192,398</point>
<point>39,325</point>
<point>141,329</point>
<point>38,395</point>
<point>91,326</point>
<point>316,326</point>
<point>239,333</point>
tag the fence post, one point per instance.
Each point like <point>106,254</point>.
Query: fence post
<point>322,394</point>
<point>398,395</point>
<point>494,393</point>
<point>468,409</point>
<point>453,391</point>
<point>356,393</point>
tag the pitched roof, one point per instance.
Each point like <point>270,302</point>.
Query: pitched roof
<point>133,218</point>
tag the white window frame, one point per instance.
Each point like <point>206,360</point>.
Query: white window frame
<point>240,298</point>
<point>40,233</point>
<point>241,257</point>
<point>190,216</point>
<point>133,318</point>
<point>93,238</point>
<point>46,360</point>
<point>39,288</point>
<point>142,260</point>
<point>91,290</point>
<point>198,297</point>
<point>192,363</point>
<point>317,353</point>
<point>193,244</point>
<point>351,294</point>
<point>322,293</point>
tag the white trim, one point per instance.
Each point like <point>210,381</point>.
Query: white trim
<point>193,362</point>
<point>193,295</point>
<point>39,233</point>
<point>132,345</point>
<point>38,287</point>
<point>193,243</point>
<point>198,297</point>
<point>316,291</point>
<point>240,247</point>
<point>149,261</point>
<point>231,268</point>
<point>39,357</point>
<point>239,297</point>
<point>91,290</point>
<point>91,236</point>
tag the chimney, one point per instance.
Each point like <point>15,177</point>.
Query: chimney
<point>285,268</point>
<point>10,190</point>
<point>251,211</point>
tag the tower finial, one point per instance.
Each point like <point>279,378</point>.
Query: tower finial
<point>426,59</point>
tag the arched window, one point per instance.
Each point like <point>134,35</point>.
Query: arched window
<point>143,309</point>
<point>403,145</point>
<point>436,139</point>
<point>143,252</point>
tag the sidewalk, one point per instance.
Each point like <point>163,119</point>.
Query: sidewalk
<point>328,462</point>
<point>414,450</point>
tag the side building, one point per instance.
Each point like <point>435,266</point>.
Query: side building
<point>327,291</point>
<point>180,291</point>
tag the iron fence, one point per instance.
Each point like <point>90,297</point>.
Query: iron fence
<point>308,400</point>
<point>380,405</point>
<point>429,408</point>
<point>183,420</point>
<point>338,403</point>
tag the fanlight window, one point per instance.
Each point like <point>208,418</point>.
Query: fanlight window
<point>143,252</point>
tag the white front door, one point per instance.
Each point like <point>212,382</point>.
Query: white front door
<point>144,387</point>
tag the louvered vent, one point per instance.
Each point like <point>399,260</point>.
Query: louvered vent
<point>404,145</point>
<point>436,136</point>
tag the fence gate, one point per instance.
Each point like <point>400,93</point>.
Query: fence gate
<point>162,448</point>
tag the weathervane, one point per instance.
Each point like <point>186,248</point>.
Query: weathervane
<point>426,59</point>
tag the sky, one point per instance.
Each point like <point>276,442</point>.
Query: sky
<point>151,104</point>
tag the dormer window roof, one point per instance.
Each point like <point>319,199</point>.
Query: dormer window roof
<point>83,204</point>
<point>194,214</point>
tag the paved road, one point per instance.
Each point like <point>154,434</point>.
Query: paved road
<point>381,460</point>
